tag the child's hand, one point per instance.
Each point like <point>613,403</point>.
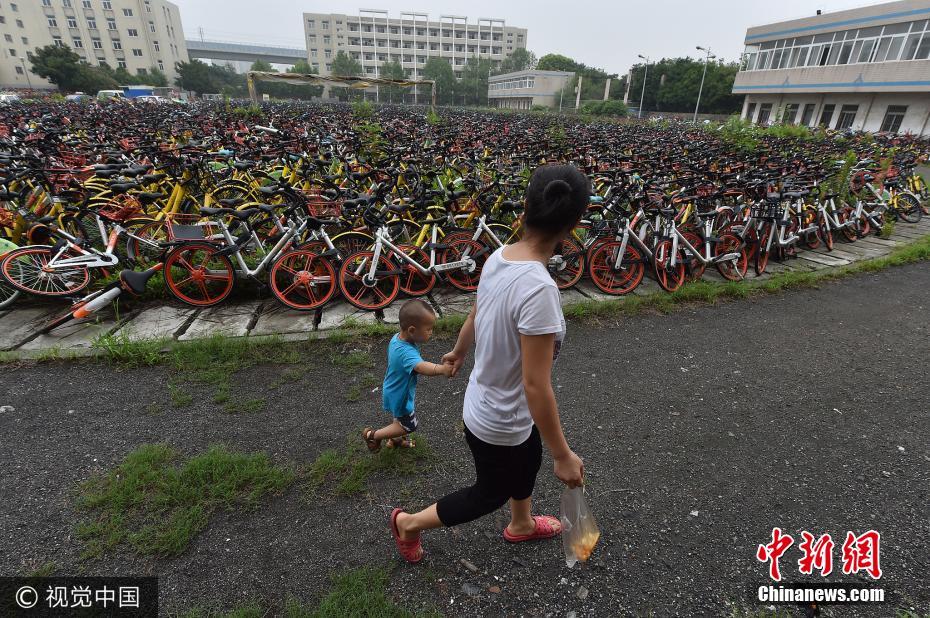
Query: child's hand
<point>448,370</point>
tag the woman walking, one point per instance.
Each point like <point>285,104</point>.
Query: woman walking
<point>510,409</point>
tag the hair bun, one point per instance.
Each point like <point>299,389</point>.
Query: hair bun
<point>556,189</point>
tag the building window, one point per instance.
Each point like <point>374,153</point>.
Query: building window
<point>156,45</point>
<point>808,114</point>
<point>893,118</point>
<point>97,43</point>
<point>327,40</point>
<point>52,23</point>
<point>117,45</point>
<point>328,53</point>
<point>827,115</point>
<point>57,41</point>
<point>152,26</point>
<point>847,117</point>
<point>132,32</point>
<point>8,38</point>
<point>325,25</point>
<point>751,112</point>
<point>137,53</point>
<point>127,12</point>
<point>47,3</point>
<point>791,113</point>
<point>2,19</point>
<point>111,23</point>
<point>86,4</point>
<point>311,23</point>
<point>72,22</point>
<point>66,3</point>
<point>121,64</point>
<point>161,65</point>
<point>19,70</point>
<point>313,52</point>
<point>13,52</point>
<point>107,5</point>
<point>765,111</point>
<point>14,8</point>
<point>19,23</point>
<point>92,24</point>
<point>78,43</point>
<point>25,40</point>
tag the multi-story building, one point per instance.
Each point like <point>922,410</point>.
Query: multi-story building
<point>861,69</point>
<point>137,35</point>
<point>373,39</point>
<point>524,89</point>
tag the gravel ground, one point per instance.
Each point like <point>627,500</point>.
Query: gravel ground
<point>700,431</point>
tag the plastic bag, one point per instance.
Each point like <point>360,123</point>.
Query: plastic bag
<point>579,530</point>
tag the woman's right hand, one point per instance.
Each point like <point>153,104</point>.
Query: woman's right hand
<point>570,469</point>
<point>454,358</point>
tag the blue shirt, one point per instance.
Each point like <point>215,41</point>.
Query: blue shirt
<point>400,380</point>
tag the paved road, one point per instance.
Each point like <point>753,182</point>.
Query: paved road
<point>701,431</point>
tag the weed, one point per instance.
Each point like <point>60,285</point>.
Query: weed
<point>289,376</point>
<point>361,592</point>
<point>156,506</point>
<point>222,394</point>
<point>354,393</point>
<point>248,406</point>
<point>347,470</point>
<point>47,569</point>
<point>887,229</point>
<point>119,349</point>
<point>179,397</point>
<point>352,360</point>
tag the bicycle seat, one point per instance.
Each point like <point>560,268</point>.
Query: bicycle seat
<point>153,177</point>
<point>269,190</point>
<point>148,198</point>
<point>314,224</point>
<point>122,187</point>
<point>107,173</point>
<point>243,165</point>
<point>231,202</point>
<point>215,211</point>
<point>135,282</point>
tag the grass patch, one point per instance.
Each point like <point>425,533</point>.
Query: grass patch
<point>289,376</point>
<point>710,292</point>
<point>887,229</point>
<point>357,593</point>
<point>47,569</point>
<point>155,504</point>
<point>180,398</point>
<point>247,406</point>
<point>346,471</point>
<point>120,350</point>
<point>352,360</point>
<point>354,393</point>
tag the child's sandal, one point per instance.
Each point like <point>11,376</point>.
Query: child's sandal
<point>400,443</point>
<point>373,444</point>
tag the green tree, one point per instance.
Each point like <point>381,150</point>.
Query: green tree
<point>557,62</point>
<point>440,71</point>
<point>393,70</point>
<point>473,87</point>
<point>262,65</point>
<point>673,85</point>
<point>63,67</point>
<point>345,65</point>
<point>302,91</point>
<point>157,78</point>
<point>520,60</point>
<point>203,78</point>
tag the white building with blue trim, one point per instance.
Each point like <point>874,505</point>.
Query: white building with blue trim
<point>861,69</point>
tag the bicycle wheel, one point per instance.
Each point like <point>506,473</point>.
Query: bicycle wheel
<point>849,229</point>
<point>465,278</point>
<point>862,225</point>
<point>762,253</point>
<point>197,276</point>
<point>670,277</point>
<point>607,276</point>
<point>825,232</point>
<point>908,208</point>
<point>26,269</point>
<point>302,280</point>
<point>734,270</point>
<point>8,295</point>
<point>412,281</point>
<point>567,270</point>
<point>364,294</point>
<point>141,252</point>
<point>352,242</point>
<point>695,267</point>
<point>808,219</point>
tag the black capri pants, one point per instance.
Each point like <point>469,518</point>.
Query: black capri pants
<point>503,472</point>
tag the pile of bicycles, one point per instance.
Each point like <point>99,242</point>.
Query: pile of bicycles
<point>311,203</point>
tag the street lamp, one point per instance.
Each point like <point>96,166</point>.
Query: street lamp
<point>701,90</point>
<point>642,97</point>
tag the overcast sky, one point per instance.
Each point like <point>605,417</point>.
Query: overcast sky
<point>608,34</point>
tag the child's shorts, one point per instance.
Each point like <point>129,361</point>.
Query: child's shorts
<point>408,422</point>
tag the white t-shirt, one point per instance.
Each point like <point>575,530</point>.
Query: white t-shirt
<point>514,298</point>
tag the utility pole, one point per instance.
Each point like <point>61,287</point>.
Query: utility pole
<point>26,71</point>
<point>642,97</point>
<point>704,74</point>
<point>607,89</point>
<point>578,93</point>
<point>561,94</point>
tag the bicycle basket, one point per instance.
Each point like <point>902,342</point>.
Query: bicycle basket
<point>321,207</point>
<point>120,208</point>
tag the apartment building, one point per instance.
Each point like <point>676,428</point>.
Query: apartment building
<point>136,35</point>
<point>524,89</point>
<point>861,69</point>
<point>373,38</point>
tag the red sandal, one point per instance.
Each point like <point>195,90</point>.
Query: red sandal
<point>545,529</point>
<point>410,550</point>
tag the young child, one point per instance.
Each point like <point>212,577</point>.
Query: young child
<point>400,379</point>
